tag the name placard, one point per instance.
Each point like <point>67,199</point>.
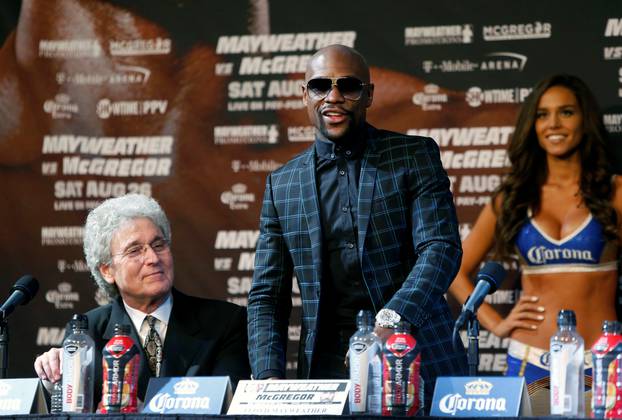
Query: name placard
<point>469,396</point>
<point>290,397</point>
<point>188,395</point>
<point>21,396</point>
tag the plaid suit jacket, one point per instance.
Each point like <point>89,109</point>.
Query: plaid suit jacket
<point>408,244</point>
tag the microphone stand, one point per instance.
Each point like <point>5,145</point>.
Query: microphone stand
<point>4,346</point>
<point>473,346</point>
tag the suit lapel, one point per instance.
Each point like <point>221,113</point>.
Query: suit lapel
<point>180,347</point>
<point>367,182</point>
<point>310,206</point>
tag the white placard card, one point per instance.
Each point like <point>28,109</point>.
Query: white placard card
<point>290,397</point>
<point>22,396</point>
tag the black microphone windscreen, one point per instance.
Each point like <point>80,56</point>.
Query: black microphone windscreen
<point>493,273</point>
<point>28,285</point>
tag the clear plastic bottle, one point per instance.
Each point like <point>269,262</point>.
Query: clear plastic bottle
<point>56,398</point>
<point>567,367</point>
<point>78,367</point>
<point>365,366</point>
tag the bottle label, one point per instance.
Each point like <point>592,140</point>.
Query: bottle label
<point>121,361</point>
<point>360,356</point>
<point>566,378</point>
<point>606,389</point>
<point>400,377</point>
<point>76,361</point>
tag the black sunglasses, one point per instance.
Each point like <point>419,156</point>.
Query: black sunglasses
<point>350,87</point>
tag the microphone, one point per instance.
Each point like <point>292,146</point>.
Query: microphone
<point>22,292</point>
<point>488,279</point>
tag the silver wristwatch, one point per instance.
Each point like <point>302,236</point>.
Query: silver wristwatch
<point>387,318</point>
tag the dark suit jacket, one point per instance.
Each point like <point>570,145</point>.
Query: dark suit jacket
<point>408,244</point>
<point>204,338</point>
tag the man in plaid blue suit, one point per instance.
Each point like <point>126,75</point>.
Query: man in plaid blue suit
<point>364,219</point>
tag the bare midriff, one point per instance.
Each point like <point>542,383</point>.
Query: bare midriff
<point>591,295</point>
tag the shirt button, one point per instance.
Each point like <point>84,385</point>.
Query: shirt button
<point>350,245</point>
<point>342,172</point>
<point>344,209</point>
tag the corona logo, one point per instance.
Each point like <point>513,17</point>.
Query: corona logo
<point>185,387</point>
<point>478,387</point>
<point>64,287</point>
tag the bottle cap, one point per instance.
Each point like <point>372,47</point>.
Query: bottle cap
<point>566,318</point>
<point>79,322</point>
<point>612,327</point>
<point>364,318</point>
<point>122,329</point>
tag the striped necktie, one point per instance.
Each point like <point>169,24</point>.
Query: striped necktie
<point>153,346</point>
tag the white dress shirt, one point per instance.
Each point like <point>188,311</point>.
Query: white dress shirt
<point>162,314</point>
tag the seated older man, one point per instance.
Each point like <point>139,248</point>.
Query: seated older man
<point>127,248</point>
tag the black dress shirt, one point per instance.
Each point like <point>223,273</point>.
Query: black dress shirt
<point>344,292</point>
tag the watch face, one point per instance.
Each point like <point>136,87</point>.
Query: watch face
<point>388,318</point>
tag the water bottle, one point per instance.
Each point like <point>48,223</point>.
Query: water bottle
<point>78,367</point>
<point>402,389</point>
<point>56,398</point>
<point>374,385</point>
<point>567,367</point>
<point>365,365</point>
<point>121,361</point>
<point>607,380</point>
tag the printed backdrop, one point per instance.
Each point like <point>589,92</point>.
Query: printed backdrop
<point>194,102</point>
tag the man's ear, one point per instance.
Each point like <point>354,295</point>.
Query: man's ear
<point>304,95</point>
<point>107,273</point>
<point>370,95</point>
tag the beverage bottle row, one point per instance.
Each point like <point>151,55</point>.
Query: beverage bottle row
<point>120,362</point>
<point>385,378</point>
<point>568,370</point>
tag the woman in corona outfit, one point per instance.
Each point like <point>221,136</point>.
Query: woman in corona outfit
<point>557,212</point>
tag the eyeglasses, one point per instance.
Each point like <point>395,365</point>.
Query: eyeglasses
<point>350,87</point>
<point>137,252</point>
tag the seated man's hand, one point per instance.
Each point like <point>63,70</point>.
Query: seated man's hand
<point>48,365</point>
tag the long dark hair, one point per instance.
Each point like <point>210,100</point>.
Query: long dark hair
<point>521,188</point>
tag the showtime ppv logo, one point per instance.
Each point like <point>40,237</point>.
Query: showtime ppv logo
<point>476,96</point>
<point>107,108</point>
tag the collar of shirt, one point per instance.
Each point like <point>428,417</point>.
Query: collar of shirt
<point>162,314</point>
<point>328,150</point>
